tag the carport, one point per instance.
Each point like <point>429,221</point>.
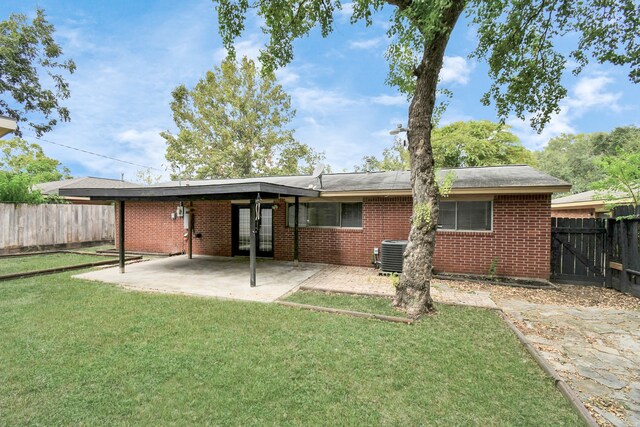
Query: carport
<point>255,192</point>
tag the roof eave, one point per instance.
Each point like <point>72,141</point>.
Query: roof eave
<point>211,192</point>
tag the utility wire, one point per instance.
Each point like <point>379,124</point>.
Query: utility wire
<point>95,154</point>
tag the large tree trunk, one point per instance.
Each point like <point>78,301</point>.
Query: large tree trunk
<point>413,292</point>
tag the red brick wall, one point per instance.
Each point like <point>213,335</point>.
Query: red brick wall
<point>149,227</point>
<point>519,241</point>
<point>573,213</point>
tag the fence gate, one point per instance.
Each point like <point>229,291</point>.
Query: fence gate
<point>579,250</point>
<point>623,242</point>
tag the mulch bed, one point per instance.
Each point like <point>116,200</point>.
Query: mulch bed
<point>568,295</point>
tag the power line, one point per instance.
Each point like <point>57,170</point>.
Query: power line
<point>94,154</point>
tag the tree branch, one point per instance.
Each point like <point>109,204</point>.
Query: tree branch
<point>401,4</point>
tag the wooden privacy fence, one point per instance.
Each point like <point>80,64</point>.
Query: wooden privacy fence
<point>599,251</point>
<point>25,227</point>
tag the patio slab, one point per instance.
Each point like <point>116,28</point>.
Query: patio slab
<point>209,276</point>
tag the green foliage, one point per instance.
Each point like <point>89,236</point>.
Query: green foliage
<point>621,178</point>
<point>519,40</point>
<point>22,157</point>
<point>232,124</point>
<point>394,158</point>
<point>575,158</point>
<point>16,188</point>
<point>422,215</point>
<point>493,267</point>
<point>445,183</point>
<point>459,144</point>
<point>395,279</point>
<point>477,143</point>
<point>27,52</point>
<point>147,177</point>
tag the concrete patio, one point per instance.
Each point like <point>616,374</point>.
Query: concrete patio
<point>208,276</point>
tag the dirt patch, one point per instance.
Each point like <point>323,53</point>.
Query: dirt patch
<point>567,295</point>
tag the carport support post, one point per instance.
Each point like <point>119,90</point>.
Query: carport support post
<point>121,235</point>
<point>252,243</point>
<point>295,231</point>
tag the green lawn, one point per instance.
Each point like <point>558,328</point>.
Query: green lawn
<point>78,352</point>
<point>20,264</point>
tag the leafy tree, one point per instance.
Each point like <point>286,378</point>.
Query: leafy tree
<point>28,50</point>
<point>621,139</point>
<point>21,157</point>
<point>471,143</point>
<point>477,143</point>
<point>234,124</point>
<point>16,188</point>
<point>621,176</point>
<point>147,177</point>
<point>394,158</point>
<point>516,38</point>
<point>575,158</point>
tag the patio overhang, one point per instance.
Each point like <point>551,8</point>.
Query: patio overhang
<point>244,190</point>
<point>254,191</point>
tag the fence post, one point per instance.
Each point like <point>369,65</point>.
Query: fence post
<point>609,224</point>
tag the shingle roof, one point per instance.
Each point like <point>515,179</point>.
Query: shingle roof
<point>52,187</point>
<point>586,196</point>
<point>477,177</point>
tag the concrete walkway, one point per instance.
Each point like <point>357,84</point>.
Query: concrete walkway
<point>208,276</point>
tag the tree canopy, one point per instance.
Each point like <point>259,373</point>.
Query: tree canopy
<point>470,143</point>
<point>30,58</point>
<point>518,39</point>
<point>575,158</point>
<point>620,176</point>
<point>234,123</point>
<point>21,157</point>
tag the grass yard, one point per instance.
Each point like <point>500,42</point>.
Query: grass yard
<point>78,352</point>
<point>20,264</point>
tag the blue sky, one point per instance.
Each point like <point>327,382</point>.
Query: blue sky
<point>131,54</point>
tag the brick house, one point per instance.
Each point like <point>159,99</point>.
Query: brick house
<point>495,215</point>
<point>588,204</point>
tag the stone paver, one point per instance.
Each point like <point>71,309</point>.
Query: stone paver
<point>595,350</point>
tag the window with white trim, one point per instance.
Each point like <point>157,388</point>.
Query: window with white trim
<point>466,216</point>
<point>326,214</point>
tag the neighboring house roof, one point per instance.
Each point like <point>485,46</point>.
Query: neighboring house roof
<point>7,125</point>
<point>587,199</point>
<point>53,187</point>
<point>494,179</point>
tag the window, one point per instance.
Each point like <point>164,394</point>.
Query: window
<point>474,216</point>
<point>320,214</point>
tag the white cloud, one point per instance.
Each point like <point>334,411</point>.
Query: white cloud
<point>589,94</point>
<point>286,76</point>
<point>366,43</point>
<point>320,101</point>
<point>455,69</point>
<point>347,10</point>
<point>390,100</point>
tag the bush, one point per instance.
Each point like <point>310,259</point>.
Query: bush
<point>16,188</point>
